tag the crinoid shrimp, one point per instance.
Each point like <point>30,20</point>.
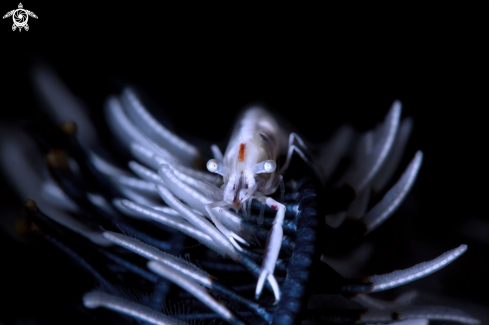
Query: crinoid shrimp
<point>257,225</point>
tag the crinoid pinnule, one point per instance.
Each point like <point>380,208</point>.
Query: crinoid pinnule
<point>128,218</point>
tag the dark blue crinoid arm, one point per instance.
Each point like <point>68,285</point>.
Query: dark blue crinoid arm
<point>304,256</point>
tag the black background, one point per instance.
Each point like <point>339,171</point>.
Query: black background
<point>319,67</point>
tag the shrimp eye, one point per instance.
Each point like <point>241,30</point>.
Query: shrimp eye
<point>267,166</point>
<point>215,166</point>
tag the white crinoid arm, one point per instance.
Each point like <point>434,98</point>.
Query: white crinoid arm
<point>8,14</point>
<point>30,13</point>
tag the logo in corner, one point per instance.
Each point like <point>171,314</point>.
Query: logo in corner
<point>20,17</point>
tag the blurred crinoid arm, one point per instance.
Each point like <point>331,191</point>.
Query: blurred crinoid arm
<point>394,279</point>
<point>394,197</point>
<point>405,315</point>
<point>61,105</point>
<point>186,153</point>
<point>398,278</point>
<point>101,299</point>
<point>28,175</point>
<point>373,149</point>
<point>374,161</point>
<point>195,289</point>
<point>376,157</point>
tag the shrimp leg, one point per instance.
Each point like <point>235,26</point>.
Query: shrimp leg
<point>296,144</point>
<point>222,228</point>
<point>272,249</point>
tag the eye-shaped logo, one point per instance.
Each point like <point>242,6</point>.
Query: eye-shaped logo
<point>20,17</point>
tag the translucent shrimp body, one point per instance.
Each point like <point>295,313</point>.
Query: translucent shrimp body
<point>255,139</point>
<point>249,171</point>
